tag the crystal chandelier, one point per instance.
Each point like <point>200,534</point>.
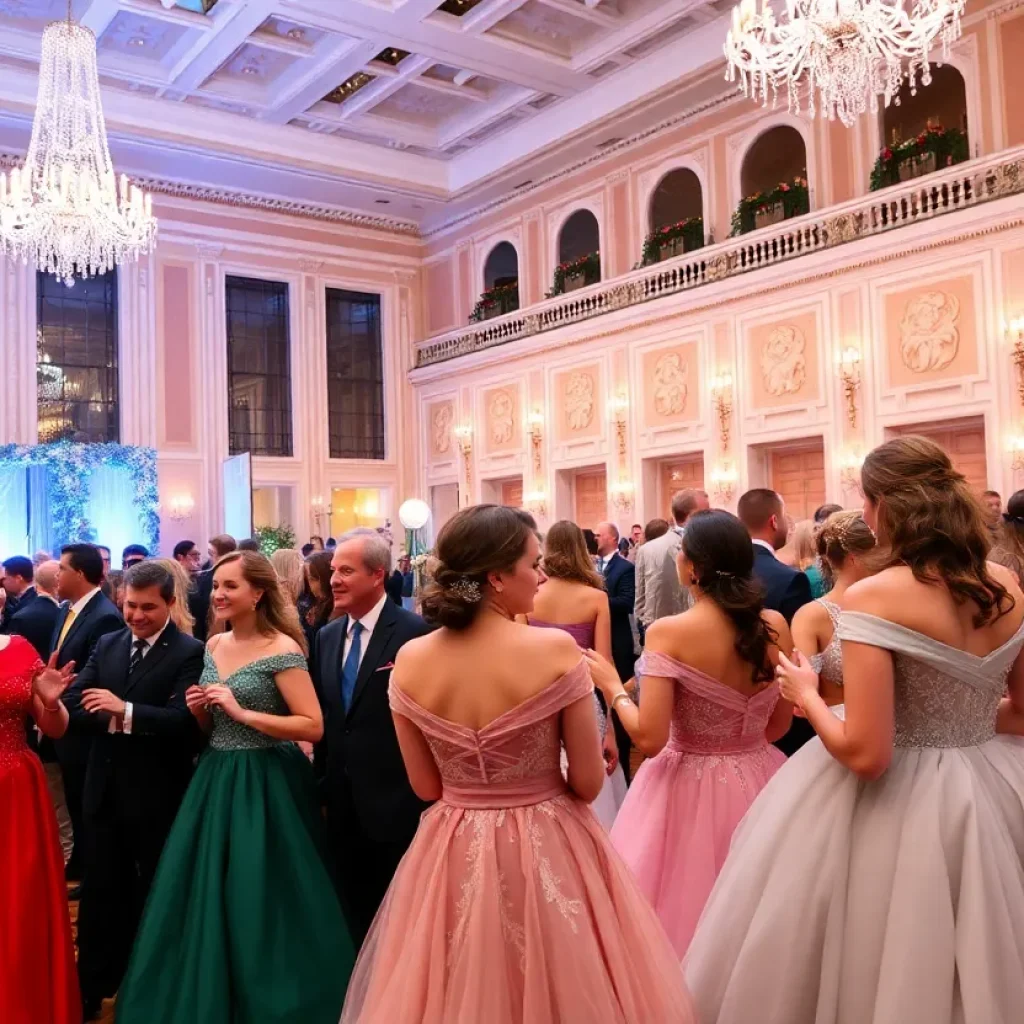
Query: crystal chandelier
<point>65,211</point>
<point>848,51</point>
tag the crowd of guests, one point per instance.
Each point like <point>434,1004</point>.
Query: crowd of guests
<point>340,808</point>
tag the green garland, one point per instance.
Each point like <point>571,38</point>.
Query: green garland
<point>590,265</point>
<point>504,295</point>
<point>273,538</point>
<point>691,231</point>
<point>794,196</point>
<point>948,145</point>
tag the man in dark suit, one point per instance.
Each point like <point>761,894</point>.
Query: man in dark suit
<point>34,620</point>
<point>82,619</point>
<point>786,589</point>
<point>18,591</point>
<point>372,812</point>
<point>620,582</point>
<point>130,699</point>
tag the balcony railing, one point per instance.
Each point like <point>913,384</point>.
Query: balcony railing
<point>955,188</point>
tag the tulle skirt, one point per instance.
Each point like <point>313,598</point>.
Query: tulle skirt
<point>897,901</point>
<point>522,915</point>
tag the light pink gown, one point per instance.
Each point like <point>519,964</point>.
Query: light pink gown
<point>511,905</point>
<point>676,824</point>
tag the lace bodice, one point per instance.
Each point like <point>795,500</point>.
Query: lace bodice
<point>943,697</point>
<point>18,664</point>
<point>709,717</point>
<point>255,690</point>
<point>511,762</point>
<point>829,664</point>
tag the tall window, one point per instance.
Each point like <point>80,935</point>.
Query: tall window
<point>355,375</point>
<point>76,359</point>
<point>259,378</point>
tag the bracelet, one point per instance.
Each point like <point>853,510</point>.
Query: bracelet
<point>621,696</point>
<point>51,711</point>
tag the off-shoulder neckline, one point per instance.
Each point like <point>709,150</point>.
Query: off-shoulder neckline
<point>241,668</point>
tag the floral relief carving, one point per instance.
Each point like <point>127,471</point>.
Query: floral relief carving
<point>929,333</point>
<point>441,427</point>
<point>783,360</point>
<point>502,416</point>
<point>579,400</point>
<point>671,374</point>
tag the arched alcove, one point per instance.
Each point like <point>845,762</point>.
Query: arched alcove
<point>923,131</point>
<point>773,179</point>
<point>501,283</point>
<point>675,218</point>
<point>579,252</point>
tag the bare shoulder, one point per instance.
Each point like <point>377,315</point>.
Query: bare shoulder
<point>412,652</point>
<point>777,621</point>
<point>673,631</point>
<point>554,643</point>
<point>1004,577</point>
<point>284,644</point>
<point>876,592</point>
<point>214,641</point>
<point>811,614</point>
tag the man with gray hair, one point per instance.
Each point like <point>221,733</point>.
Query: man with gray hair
<point>372,812</point>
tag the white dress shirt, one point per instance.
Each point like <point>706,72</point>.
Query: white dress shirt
<point>150,642</point>
<point>369,624</point>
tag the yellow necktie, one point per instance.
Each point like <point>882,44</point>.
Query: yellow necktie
<point>67,626</point>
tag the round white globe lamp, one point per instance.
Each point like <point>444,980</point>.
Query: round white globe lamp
<point>414,514</point>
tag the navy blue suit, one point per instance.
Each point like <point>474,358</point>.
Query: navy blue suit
<point>620,583</point>
<point>786,590</point>
<point>34,621</point>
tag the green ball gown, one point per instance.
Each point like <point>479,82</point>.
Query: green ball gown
<point>242,925</point>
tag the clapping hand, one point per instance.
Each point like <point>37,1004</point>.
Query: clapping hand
<point>797,680</point>
<point>51,682</point>
<point>219,696</point>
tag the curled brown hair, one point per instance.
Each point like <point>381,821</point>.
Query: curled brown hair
<point>476,541</point>
<point>275,613</point>
<point>931,522</point>
<point>843,533</point>
<point>566,556</point>
<point>318,567</point>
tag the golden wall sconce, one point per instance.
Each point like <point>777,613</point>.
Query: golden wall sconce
<point>537,503</point>
<point>621,495</point>
<point>849,470</point>
<point>181,507</point>
<point>1017,447</point>
<point>723,483</point>
<point>321,509</point>
<point>536,429</point>
<point>618,406</point>
<point>1016,332</point>
<point>721,398</point>
<point>464,439</point>
<point>850,375</point>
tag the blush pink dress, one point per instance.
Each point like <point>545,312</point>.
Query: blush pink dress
<point>676,824</point>
<point>510,906</point>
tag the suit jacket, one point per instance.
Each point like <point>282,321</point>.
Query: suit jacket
<point>786,589</point>
<point>144,773</point>
<point>620,582</point>
<point>34,621</point>
<point>394,585</point>
<point>199,603</point>
<point>358,760</point>
<point>658,590</point>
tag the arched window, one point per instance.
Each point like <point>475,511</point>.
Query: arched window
<point>924,131</point>
<point>579,253</point>
<point>773,180</point>
<point>676,216</point>
<point>501,283</point>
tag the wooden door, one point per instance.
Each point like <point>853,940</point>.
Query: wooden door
<point>676,475</point>
<point>512,493</point>
<point>798,474</point>
<point>965,443</point>
<point>590,498</point>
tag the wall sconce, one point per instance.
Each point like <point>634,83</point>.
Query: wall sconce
<point>536,426</point>
<point>723,483</point>
<point>849,470</point>
<point>721,397</point>
<point>849,374</point>
<point>1017,447</point>
<point>618,406</point>
<point>321,510</point>
<point>464,439</point>
<point>1016,332</point>
<point>537,503</point>
<point>181,508</point>
<point>622,495</point>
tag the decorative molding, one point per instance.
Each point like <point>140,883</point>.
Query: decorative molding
<point>209,250</point>
<point>783,361</point>
<point>308,266</point>
<point>501,414</point>
<point>929,334</point>
<point>579,401</point>
<point>671,387</point>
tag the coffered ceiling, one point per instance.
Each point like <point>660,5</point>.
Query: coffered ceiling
<point>426,98</point>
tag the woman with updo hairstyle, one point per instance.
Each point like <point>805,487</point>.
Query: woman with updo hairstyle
<point>510,904</point>
<point>708,715</point>
<point>1009,547</point>
<point>844,542</point>
<point>885,860</point>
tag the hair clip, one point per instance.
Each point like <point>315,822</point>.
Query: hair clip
<point>465,590</point>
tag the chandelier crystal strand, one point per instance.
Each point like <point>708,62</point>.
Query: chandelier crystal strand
<point>837,57</point>
<point>65,211</point>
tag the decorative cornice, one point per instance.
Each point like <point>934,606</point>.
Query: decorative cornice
<point>254,201</point>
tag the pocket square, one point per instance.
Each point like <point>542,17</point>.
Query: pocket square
<point>385,668</point>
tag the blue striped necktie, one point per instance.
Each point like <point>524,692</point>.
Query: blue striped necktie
<point>350,670</point>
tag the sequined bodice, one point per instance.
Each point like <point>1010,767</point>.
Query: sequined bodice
<point>254,689</point>
<point>943,697</point>
<point>709,717</point>
<point>511,762</point>
<point>18,662</point>
<point>829,664</point>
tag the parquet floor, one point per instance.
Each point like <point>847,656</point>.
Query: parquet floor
<point>107,1016</point>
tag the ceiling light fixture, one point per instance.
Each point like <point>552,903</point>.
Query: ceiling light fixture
<point>848,51</point>
<point>65,210</point>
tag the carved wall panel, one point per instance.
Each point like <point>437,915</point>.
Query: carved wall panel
<point>503,428</point>
<point>671,385</point>
<point>783,362</point>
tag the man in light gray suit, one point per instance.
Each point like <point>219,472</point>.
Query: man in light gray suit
<point>658,590</point>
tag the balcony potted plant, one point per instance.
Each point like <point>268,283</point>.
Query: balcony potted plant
<point>575,274</point>
<point>496,300</point>
<point>787,199</point>
<point>934,148</point>
<point>673,240</point>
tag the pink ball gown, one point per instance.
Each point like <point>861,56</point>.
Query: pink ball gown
<point>511,905</point>
<point>677,822</point>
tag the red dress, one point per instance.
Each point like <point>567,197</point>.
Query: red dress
<point>38,982</point>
